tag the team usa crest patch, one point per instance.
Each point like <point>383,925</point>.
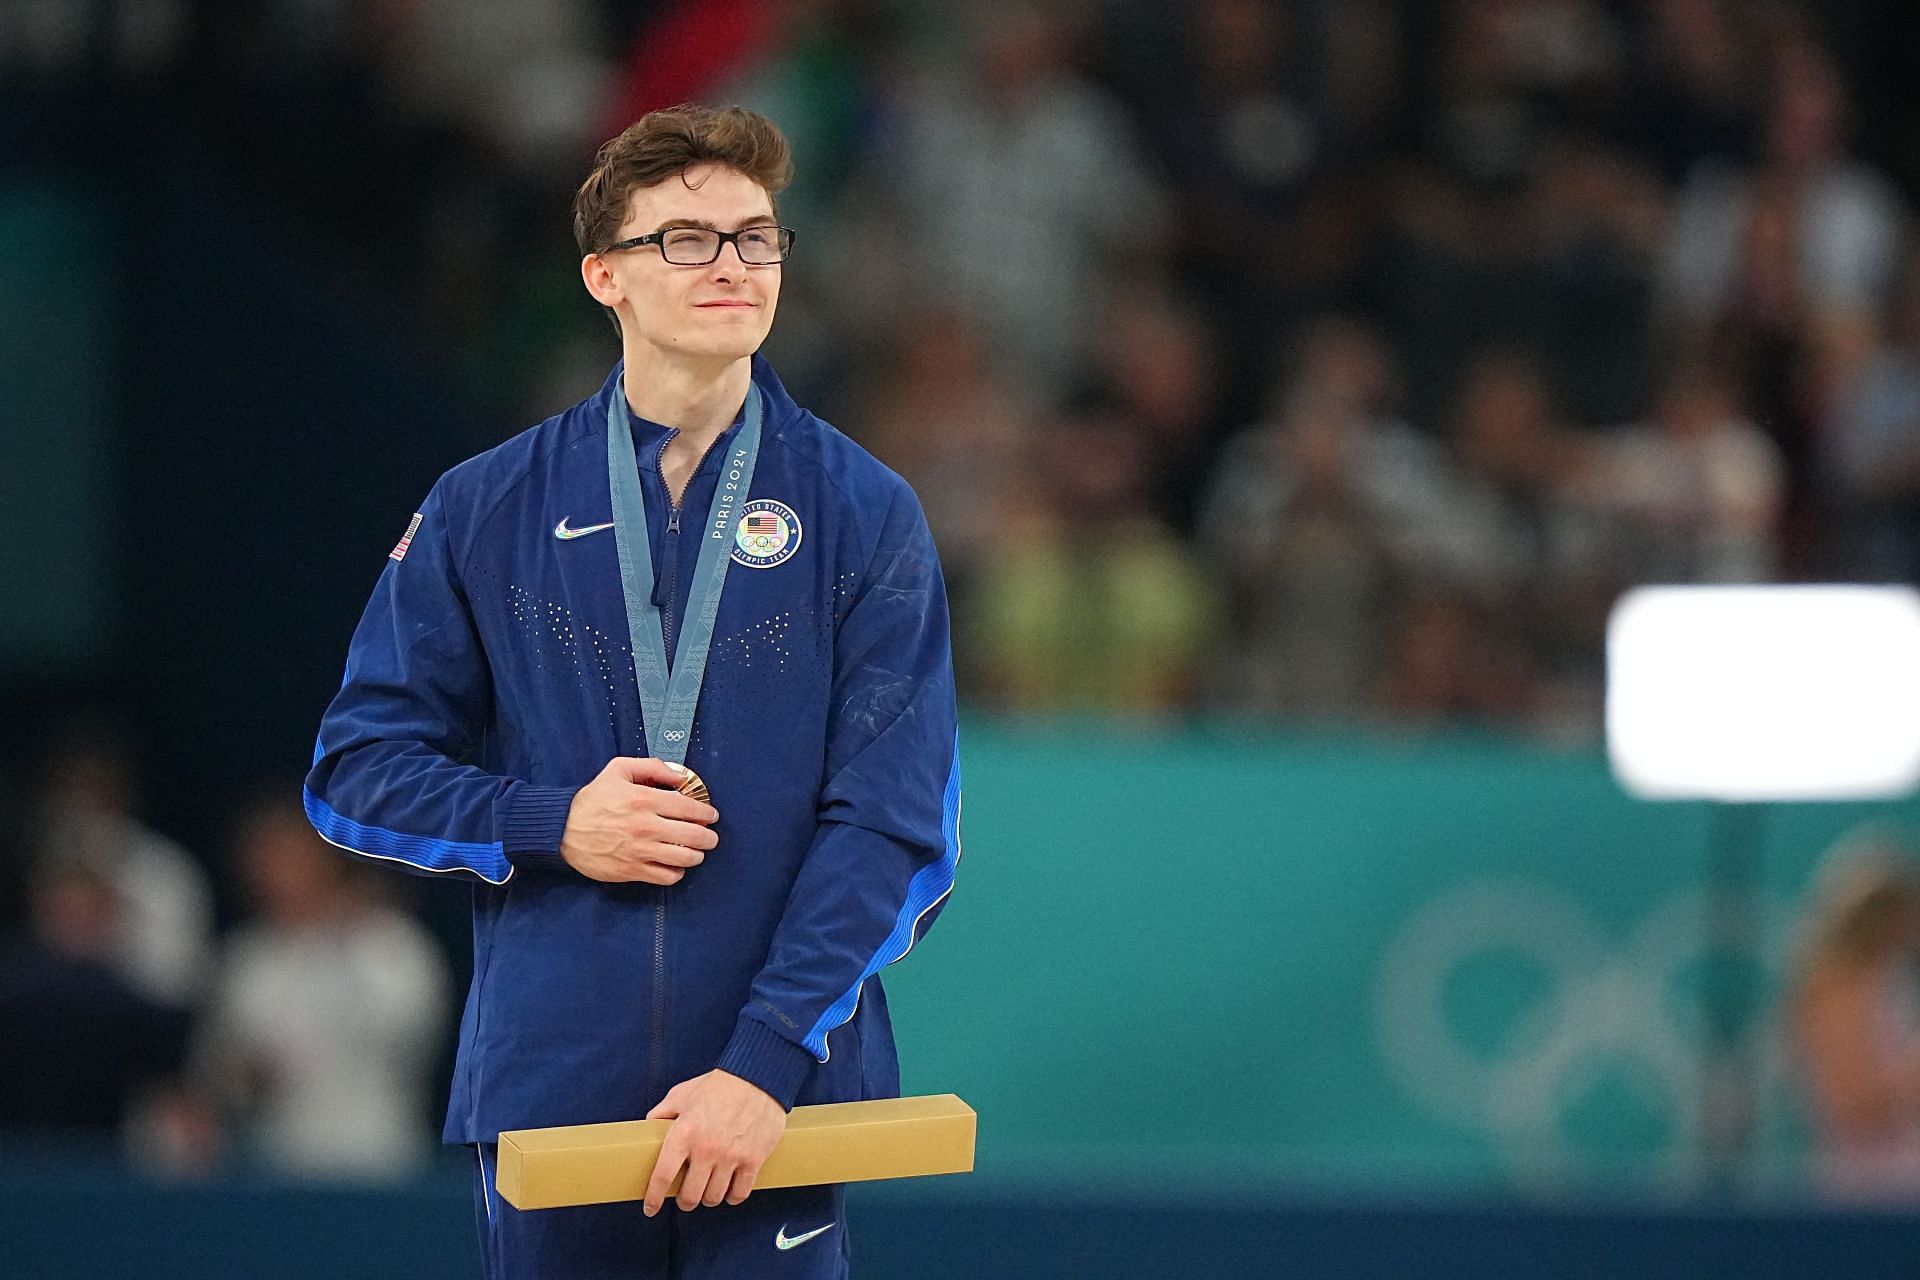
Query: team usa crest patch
<point>399,551</point>
<point>768,534</point>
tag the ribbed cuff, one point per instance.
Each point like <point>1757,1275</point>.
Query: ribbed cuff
<point>762,1056</point>
<point>536,819</point>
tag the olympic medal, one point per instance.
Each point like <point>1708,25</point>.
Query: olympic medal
<point>694,785</point>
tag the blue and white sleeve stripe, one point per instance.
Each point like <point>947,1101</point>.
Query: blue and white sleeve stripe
<point>488,860</point>
<point>927,890</point>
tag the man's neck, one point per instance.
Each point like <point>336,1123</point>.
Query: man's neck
<point>699,398</point>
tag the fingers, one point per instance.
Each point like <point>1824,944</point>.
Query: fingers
<point>659,803</point>
<point>684,835</point>
<point>703,1185</point>
<point>647,771</point>
<point>671,804</point>
<point>673,1156</point>
<point>743,1179</point>
<point>650,867</point>
<point>660,797</point>
<point>633,871</point>
<point>674,856</point>
<point>693,1188</point>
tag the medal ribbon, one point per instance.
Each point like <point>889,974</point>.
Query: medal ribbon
<point>667,704</point>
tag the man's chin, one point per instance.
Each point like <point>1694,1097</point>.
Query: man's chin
<point>738,348</point>
<point>715,346</point>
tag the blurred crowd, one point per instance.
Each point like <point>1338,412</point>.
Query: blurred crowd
<point>308,1039</point>
<point>1337,362</point>
<point>301,1041</point>
<point>1319,361</point>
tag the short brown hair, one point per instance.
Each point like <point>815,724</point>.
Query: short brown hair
<point>671,141</point>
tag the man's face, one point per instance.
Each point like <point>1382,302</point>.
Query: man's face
<point>722,309</point>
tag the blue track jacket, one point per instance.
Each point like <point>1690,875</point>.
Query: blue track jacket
<point>491,677</point>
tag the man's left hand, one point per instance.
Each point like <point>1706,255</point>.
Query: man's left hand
<point>723,1130</point>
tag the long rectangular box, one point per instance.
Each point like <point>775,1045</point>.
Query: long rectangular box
<point>832,1142</point>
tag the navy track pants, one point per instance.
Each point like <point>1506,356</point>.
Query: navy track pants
<point>785,1233</point>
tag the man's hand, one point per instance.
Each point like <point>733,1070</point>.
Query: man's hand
<point>723,1130</point>
<point>629,824</point>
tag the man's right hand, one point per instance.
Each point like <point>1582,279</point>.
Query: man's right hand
<point>630,824</point>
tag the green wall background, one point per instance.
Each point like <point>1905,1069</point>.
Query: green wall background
<point>1199,955</point>
<point>56,403</point>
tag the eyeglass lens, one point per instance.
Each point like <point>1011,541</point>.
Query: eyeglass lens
<point>697,246</point>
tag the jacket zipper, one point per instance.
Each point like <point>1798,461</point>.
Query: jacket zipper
<point>670,579</point>
<point>669,630</point>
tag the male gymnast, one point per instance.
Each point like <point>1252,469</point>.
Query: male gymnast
<point>668,678</point>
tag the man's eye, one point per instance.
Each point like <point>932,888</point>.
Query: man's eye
<point>685,238</point>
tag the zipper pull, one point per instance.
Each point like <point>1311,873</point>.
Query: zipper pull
<point>673,521</point>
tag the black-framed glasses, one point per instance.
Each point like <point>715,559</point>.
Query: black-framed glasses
<point>697,246</point>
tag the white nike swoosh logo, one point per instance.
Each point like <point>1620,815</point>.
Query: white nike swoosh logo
<point>783,1241</point>
<point>563,533</point>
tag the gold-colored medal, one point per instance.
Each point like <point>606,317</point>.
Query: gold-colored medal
<point>694,785</point>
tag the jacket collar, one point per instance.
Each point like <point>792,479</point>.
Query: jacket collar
<point>779,405</point>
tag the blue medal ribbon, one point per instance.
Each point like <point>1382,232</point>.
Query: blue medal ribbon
<point>667,703</point>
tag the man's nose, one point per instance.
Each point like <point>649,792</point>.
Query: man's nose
<point>738,262</point>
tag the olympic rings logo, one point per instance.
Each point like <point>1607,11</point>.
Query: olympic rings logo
<point>1608,1012</point>
<point>768,534</point>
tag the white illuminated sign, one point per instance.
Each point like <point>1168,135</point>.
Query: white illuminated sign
<point>1765,693</point>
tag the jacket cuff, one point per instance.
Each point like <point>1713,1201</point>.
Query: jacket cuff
<point>536,819</point>
<point>762,1056</point>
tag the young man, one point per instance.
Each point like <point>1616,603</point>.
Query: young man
<point>510,715</point>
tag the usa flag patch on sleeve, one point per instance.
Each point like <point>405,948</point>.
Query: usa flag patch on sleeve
<point>399,551</point>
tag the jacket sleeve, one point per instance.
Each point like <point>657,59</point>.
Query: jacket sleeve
<point>391,779</point>
<point>884,854</point>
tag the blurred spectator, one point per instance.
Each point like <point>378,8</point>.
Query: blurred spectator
<point>163,929</point>
<point>1226,98</point>
<point>1593,226</point>
<point>327,1012</point>
<point>1553,253</point>
<point>1828,227</point>
<point>1363,55</point>
<point>1510,528</point>
<point>1697,492</point>
<point>528,76</point>
<point>1236,125</point>
<point>1311,579</point>
<point>1455,281</point>
<point>1855,1020</point>
<point>1519,579</point>
<point>1778,272</point>
<point>1873,450</point>
<point>1316,520</point>
<point>939,414</point>
<point>1023,197</point>
<point>1694,95</point>
<point>84,1048</point>
<point>688,50</point>
<point>1506,70</point>
<point>89,37</point>
<point>1156,367</point>
<point>1455,661</point>
<point>1091,604</point>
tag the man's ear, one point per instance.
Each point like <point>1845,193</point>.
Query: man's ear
<point>600,283</point>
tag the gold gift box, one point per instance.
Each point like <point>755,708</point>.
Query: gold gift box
<point>831,1142</point>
